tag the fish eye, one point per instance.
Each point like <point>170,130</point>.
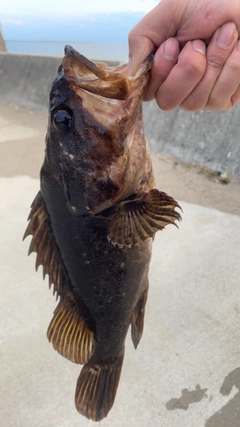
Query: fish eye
<point>63,119</point>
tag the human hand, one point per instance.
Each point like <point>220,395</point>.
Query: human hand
<point>197,53</point>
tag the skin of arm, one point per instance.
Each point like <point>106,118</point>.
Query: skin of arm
<point>197,53</point>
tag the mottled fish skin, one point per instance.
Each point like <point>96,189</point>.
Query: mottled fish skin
<point>94,219</point>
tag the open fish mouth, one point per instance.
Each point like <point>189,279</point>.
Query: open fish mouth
<point>102,80</point>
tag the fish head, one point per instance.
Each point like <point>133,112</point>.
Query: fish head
<point>95,144</point>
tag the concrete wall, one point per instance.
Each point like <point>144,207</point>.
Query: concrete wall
<point>27,79</point>
<point>211,139</point>
<point>208,138</point>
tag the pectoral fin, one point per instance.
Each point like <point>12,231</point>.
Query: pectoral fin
<point>42,243</point>
<point>69,333</point>
<point>137,220</point>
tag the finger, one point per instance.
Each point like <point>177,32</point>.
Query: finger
<point>184,76</point>
<point>219,49</point>
<point>223,95</point>
<point>164,60</point>
<point>157,26</point>
<point>139,49</point>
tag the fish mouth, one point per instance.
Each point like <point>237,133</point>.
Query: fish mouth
<point>99,79</point>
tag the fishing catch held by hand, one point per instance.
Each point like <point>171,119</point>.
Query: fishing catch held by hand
<point>94,219</point>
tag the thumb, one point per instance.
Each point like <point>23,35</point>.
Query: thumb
<point>140,48</point>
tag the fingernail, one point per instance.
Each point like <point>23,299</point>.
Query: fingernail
<point>171,49</point>
<point>199,46</point>
<point>226,35</point>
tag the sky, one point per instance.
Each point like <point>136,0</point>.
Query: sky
<point>85,21</point>
<point>15,9</point>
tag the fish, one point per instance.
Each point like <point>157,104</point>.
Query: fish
<point>94,219</point>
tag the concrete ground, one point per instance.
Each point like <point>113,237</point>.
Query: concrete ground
<point>186,370</point>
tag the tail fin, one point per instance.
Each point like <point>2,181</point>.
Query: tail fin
<point>97,386</point>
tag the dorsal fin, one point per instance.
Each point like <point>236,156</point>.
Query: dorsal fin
<point>137,220</point>
<point>42,244</point>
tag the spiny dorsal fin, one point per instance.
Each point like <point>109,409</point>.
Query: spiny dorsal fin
<point>69,333</point>
<point>97,386</point>
<point>42,244</point>
<point>137,220</point>
<point>137,322</point>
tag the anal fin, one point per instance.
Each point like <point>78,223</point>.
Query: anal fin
<point>69,333</point>
<point>97,386</point>
<point>137,322</point>
<point>138,219</point>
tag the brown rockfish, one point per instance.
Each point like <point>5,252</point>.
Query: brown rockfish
<point>94,219</point>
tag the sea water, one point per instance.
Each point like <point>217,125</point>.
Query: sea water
<point>116,51</point>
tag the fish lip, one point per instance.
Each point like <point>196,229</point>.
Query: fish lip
<point>98,78</point>
<point>70,51</point>
<point>82,60</point>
